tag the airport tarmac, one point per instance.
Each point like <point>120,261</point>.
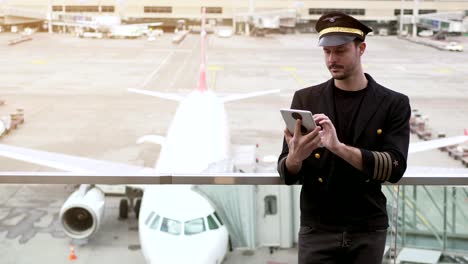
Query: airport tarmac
<point>74,95</point>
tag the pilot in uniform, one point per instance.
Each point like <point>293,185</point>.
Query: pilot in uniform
<point>360,142</point>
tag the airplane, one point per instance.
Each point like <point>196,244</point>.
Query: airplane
<point>172,219</point>
<point>109,25</point>
<point>437,143</point>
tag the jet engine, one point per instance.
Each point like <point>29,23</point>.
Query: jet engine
<point>81,214</point>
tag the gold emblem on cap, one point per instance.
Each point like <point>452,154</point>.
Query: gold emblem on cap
<point>379,131</point>
<point>332,19</point>
<point>341,30</point>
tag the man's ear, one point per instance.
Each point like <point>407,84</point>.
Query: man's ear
<point>362,48</point>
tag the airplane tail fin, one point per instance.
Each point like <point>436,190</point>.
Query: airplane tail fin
<point>202,77</point>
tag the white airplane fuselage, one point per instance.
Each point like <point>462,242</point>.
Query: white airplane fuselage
<point>197,141</point>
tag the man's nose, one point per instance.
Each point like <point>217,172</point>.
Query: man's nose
<point>331,57</point>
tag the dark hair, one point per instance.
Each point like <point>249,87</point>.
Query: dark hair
<point>357,41</point>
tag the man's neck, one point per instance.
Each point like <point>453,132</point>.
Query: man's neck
<point>353,83</point>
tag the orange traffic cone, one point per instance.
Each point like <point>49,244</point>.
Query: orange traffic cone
<point>72,255</point>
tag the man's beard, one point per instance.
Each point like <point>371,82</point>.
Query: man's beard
<point>341,76</point>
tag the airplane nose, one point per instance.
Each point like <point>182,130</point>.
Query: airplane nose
<point>179,259</point>
<point>172,252</point>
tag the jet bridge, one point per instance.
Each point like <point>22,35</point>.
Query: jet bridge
<point>450,22</point>
<point>15,16</point>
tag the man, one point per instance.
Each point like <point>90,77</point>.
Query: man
<point>360,142</point>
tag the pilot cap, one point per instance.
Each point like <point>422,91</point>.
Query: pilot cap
<point>337,28</point>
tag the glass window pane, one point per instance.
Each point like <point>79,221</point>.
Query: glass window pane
<point>212,223</point>
<point>170,226</point>
<point>155,223</point>
<point>149,218</point>
<point>219,219</point>
<point>195,226</point>
<point>271,207</point>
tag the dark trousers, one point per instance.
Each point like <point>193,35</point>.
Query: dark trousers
<point>361,247</point>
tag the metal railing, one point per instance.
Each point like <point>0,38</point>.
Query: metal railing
<point>209,178</point>
<point>425,212</point>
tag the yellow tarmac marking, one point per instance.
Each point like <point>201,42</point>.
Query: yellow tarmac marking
<point>214,69</point>
<point>444,70</point>
<point>294,74</point>
<point>39,62</point>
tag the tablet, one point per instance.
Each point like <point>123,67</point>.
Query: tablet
<point>291,115</point>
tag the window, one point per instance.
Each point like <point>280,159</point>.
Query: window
<point>78,9</point>
<point>219,219</point>
<point>427,11</point>
<point>214,10</point>
<point>149,218</point>
<point>155,223</point>
<point>157,9</point>
<point>405,11</point>
<point>348,11</point>
<point>107,9</point>
<point>194,227</point>
<point>170,226</point>
<point>57,8</point>
<point>271,207</point>
<point>212,223</point>
<point>410,11</point>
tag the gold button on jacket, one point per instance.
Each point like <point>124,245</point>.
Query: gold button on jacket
<point>317,155</point>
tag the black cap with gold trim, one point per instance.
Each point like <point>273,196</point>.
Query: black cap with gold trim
<point>337,28</point>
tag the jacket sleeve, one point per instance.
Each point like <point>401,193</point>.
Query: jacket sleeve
<point>287,177</point>
<point>389,164</point>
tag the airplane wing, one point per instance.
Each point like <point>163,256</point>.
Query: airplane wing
<point>168,96</point>
<point>235,97</point>
<point>436,143</point>
<point>155,139</point>
<point>429,172</point>
<point>67,162</point>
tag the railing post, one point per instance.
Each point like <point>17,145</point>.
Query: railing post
<point>454,209</point>
<point>415,197</point>
<point>403,207</point>
<point>444,243</point>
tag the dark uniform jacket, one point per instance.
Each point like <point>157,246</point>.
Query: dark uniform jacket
<point>343,197</point>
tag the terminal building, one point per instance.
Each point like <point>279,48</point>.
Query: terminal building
<point>382,15</point>
<point>431,217</point>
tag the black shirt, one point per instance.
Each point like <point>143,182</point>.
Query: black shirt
<point>347,105</point>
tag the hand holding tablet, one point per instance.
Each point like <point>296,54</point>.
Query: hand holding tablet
<point>291,115</point>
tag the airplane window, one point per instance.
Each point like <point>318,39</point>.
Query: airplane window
<point>170,226</point>
<point>212,223</point>
<point>195,226</point>
<point>155,223</point>
<point>149,218</point>
<point>217,217</point>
